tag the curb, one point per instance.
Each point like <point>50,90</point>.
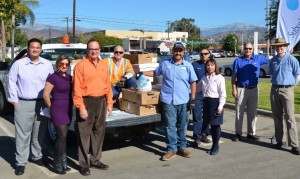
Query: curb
<point>260,111</point>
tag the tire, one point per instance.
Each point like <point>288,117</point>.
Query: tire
<point>51,131</point>
<point>228,72</point>
<point>5,106</point>
<point>262,73</point>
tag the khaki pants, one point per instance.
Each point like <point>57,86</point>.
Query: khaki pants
<point>90,132</point>
<point>246,98</point>
<point>282,103</point>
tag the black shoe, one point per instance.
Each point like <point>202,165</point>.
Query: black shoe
<point>39,162</point>
<point>279,145</point>
<point>295,150</point>
<point>100,166</point>
<point>253,137</point>
<point>197,143</point>
<point>19,170</point>
<point>214,150</point>
<point>85,171</point>
<point>205,139</point>
<point>236,138</point>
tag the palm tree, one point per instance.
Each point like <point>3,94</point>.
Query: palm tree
<point>11,10</point>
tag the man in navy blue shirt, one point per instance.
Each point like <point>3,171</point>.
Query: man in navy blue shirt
<point>200,127</point>
<point>244,82</point>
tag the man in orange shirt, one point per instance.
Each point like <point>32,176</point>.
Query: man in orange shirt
<point>93,99</point>
<point>120,71</point>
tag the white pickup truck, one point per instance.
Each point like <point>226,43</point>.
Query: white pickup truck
<point>118,124</point>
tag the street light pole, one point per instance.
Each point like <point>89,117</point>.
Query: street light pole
<point>267,29</point>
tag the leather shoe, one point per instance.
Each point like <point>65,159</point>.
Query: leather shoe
<point>39,162</point>
<point>253,137</point>
<point>85,171</point>
<point>214,150</point>
<point>100,166</point>
<point>237,138</point>
<point>19,170</point>
<point>295,150</point>
<point>279,145</point>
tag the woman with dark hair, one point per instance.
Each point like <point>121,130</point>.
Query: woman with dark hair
<point>59,86</point>
<point>214,93</point>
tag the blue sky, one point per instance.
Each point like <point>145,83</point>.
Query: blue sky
<point>150,14</point>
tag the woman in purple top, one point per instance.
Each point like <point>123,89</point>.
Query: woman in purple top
<point>59,85</point>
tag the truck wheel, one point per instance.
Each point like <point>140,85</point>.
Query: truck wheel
<point>51,131</point>
<point>5,106</point>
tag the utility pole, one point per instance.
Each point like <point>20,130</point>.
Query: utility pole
<point>74,14</point>
<point>168,30</point>
<point>49,34</point>
<point>268,25</point>
<point>67,25</point>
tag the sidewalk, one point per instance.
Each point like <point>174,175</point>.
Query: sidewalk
<point>260,111</point>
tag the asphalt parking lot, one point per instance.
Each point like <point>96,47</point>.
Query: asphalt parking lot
<point>140,158</point>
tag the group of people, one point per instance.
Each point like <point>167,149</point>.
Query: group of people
<point>96,84</point>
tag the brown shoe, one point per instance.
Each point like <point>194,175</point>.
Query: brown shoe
<point>253,137</point>
<point>168,156</point>
<point>184,153</point>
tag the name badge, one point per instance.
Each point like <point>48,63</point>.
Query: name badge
<point>183,68</point>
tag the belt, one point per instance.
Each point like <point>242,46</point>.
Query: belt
<point>247,87</point>
<point>94,97</point>
<point>33,99</point>
<point>282,86</point>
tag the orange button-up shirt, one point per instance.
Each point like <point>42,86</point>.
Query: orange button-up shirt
<point>91,80</point>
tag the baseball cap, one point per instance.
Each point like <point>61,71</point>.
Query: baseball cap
<point>178,45</point>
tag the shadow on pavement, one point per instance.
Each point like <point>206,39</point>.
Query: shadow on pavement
<point>7,152</point>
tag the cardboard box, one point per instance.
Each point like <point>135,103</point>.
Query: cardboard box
<point>141,98</point>
<point>141,58</point>
<point>134,108</point>
<point>144,67</point>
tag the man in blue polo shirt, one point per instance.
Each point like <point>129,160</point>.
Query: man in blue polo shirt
<point>179,79</point>
<point>285,73</point>
<point>244,89</point>
<point>200,127</point>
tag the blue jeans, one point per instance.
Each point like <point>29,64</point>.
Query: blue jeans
<point>130,83</point>
<point>175,118</point>
<point>200,125</point>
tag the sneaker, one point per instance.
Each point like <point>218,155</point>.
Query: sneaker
<point>237,138</point>
<point>253,137</point>
<point>168,156</point>
<point>295,150</point>
<point>184,153</point>
<point>205,139</point>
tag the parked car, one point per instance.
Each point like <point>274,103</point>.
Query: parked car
<point>195,56</point>
<point>215,54</point>
<point>227,70</point>
<point>223,53</point>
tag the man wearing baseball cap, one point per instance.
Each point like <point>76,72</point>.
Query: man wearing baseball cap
<point>285,72</point>
<point>178,79</point>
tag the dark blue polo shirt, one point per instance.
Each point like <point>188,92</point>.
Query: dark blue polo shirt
<point>199,68</point>
<point>247,71</point>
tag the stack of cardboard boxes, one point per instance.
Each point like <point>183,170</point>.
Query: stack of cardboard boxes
<point>140,103</point>
<point>136,102</point>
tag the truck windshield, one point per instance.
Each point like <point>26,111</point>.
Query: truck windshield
<point>72,53</point>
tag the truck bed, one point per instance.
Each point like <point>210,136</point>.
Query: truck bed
<point>123,119</point>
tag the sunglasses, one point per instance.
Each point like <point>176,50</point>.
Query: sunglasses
<point>64,64</point>
<point>118,52</point>
<point>247,48</point>
<point>202,54</point>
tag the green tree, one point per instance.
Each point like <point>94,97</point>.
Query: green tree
<point>230,42</point>
<point>20,38</point>
<point>186,25</point>
<point>272,20</point>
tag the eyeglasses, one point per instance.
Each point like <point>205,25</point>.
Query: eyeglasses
<point>247,48</point>
<point>118,52</point>
<point>202,54</point>
<point>64,64</point>
<point>93,49</point>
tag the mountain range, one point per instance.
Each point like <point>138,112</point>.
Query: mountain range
<point>243,31</point>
